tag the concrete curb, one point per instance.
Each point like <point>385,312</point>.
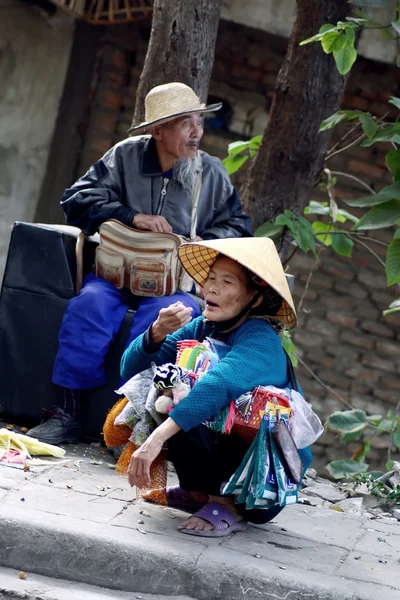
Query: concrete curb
<point>111,557</point>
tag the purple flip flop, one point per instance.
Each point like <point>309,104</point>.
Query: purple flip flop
<point>177,497</point>
<point>218,516</point>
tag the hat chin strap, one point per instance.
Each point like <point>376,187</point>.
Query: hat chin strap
<point>225,326</point>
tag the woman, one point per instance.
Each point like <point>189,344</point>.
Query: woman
<point>247,301</point>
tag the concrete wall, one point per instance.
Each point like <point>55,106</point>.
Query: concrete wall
<point>34,54</point>
<point>277,17</point>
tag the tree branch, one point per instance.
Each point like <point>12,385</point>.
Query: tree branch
<point>360,181</point>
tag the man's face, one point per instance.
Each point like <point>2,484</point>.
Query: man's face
<point>181,137</point>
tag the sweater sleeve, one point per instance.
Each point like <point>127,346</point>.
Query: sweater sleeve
<point>256,358</point>
<point>135,359</point>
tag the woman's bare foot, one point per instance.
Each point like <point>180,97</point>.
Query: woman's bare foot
<point>203,525</point>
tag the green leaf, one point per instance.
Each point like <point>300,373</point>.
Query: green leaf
<point>381,216</point>
<point>320,230</point>
<point>396,439</point>
<point>320,35</point>
<point>345,58</point>
<point>375,474</point>
<point>346,468</point>
<point>289,346</point>
<point>392,160</point>
<point>338,117</point>
<point>317,208</point>
<point>389,465</point>
<point>268,230</point>
<point>396,27</point>
<point>369,125</point>
<point>385,426</point>
<point>374,419</point>
<point>347,421</point>
<point>393,262</point>
<point>350,437</point>
<point>233,162</point>
<point>393,100</point>
<point>346,216</point>
<point>393,307</point>
<point>376,3</point>
<point>237,147</point>
<point>350,33</point>
<point>390,192</point>
<point>330,39</point>
<point>342,244</point>
<point>389,132</point>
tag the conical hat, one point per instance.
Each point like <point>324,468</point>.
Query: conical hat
<point>258,255</point>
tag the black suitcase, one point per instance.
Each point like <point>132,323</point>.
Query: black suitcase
<point>39,280</point>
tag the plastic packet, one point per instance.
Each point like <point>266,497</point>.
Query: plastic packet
<point>287,490</point>
<point>305,425</point>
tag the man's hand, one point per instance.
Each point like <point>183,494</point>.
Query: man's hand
<point>155,223</point>
<point>170,320</point>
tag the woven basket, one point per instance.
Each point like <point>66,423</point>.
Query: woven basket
<point>101,12</point>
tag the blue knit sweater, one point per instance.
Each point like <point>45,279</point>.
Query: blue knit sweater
<point>256,357</point>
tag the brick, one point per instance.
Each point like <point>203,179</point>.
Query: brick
<point>326,330</point>
<point>377,328</point>
<point>307,339</point>
<point>371,278</point>
<point>309,297</point>
<point>378,108</point>
<point>319,358</point>
<point>393,383</point>
<point>104,121</point>
<point>343,352</point>
<point>319,280</point>
<point>315,309</point>
<point>358,387</point>
<point>370,360</point>
<point>364,375</point>
<point>341,271</point>
<point>350,289</point>
<point>388,395</point>
<point>256,61</point>
<point>342,319</point>
<point>360,341</point>
<point>108,99</point>
<point>365,168</point>
<point>359,103</point>
<point>333,378</point>
<point>367,311</point>
<point>337,302</point>
<point>381,442</point>
<point>388,349</point>
<point>269,80</point>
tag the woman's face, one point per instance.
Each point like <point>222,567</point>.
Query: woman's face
<point>226,291</point>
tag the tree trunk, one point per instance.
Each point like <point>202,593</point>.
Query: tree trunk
<point>181,47</point>
<point>308,90</point>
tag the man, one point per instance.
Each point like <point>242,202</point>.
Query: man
<point>144,182</point>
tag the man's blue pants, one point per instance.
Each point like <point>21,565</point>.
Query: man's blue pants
<point>91,321</point>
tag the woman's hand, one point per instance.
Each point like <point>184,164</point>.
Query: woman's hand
<point>170,320</point>
<point>139,467</point>
<point>141,461</point>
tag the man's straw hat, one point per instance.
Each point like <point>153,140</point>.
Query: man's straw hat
<point>169,101</point>
<point>258,255</point>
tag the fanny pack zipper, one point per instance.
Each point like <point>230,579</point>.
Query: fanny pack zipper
<point>114,242</point>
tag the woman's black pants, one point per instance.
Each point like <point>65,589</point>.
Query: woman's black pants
<point>204,459</point>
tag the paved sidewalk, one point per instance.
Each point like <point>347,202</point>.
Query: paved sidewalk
<point>80,522</point>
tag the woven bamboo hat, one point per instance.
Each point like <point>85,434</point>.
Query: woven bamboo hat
<point>258,255</point>
<point>169,101</point>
